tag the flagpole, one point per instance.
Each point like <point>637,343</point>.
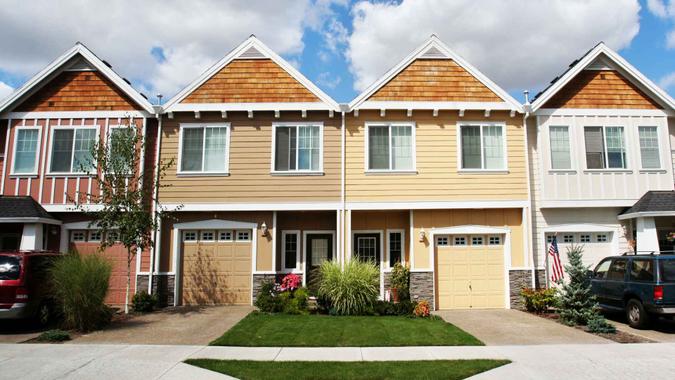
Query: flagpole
<point>546,246</point>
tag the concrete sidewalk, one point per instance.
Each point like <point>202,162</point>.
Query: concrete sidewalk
<point>569,361</point>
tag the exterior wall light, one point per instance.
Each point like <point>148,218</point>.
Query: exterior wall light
<point>423,234</point>
<point>263,228</point>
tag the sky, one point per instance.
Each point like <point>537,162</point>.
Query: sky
<point>341,45</point>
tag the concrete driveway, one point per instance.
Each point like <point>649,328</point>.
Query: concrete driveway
<point>512,327</point>
<point>661,330</point>
<point>13,331</point>
<point>179,326</point>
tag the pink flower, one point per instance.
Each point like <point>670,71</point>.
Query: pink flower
<point>290,282</point>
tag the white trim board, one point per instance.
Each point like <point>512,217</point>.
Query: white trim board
<point>646,214</point>
<point>445,53</point>
<point>58,65</point>
<point>240,53</point>
<point>581,203</point>
<point>310,206</point>
<point>30,220</point>
<point>426,205</point>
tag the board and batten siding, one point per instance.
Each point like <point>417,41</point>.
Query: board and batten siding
<point>437,177</point>
<point>250,157</point>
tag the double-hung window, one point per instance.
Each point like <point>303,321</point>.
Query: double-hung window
<point>72,150</point>
<point>605,148</point>
<point>395,247</point>
<point>297,148</point>
<point>204,148</point>
<point>559,137</point>
<point>482,147</point>
<point>391,147</point>
<point>649,147</point>
<point>121,137</point>
<point>26,144</point>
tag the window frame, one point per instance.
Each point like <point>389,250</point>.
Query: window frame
<point>482,125</point>
<point>182,127</point>
<point>108,137</point>
<point>273,169</point>
<point>389,125</point>
<point>90,239</point>
<point>203,240</point>
<point>569,149</point>
<point>12,171</point>
<point>50,148</point>
<point>298,250</point>
<point>624,129</point>
<point>387,252</point>
<point>247,240</point>
<point>84,236</point>
<point>658,147</point>
<point>186,232</point>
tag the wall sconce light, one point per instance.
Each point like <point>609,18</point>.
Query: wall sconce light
<point>263,228</point>
<point>423,234</point>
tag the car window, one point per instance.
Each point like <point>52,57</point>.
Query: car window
<point>667,269</point>
<point>601,270</point>
<point>617,270</point>
<point>10,268</point>
<point>642,270</point>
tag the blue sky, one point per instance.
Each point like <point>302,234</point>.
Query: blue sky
<point>341,45</point>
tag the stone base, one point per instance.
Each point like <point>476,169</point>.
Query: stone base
<point>422,287</point>
<point>162,284</point>
<point>258,281</point>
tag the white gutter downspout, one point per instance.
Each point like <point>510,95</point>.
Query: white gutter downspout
<point>342,191</point>
<point>529,239</point>
<point>156,234</point>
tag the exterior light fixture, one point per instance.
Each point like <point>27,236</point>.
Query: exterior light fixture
<point>263,228</point>
<point>423,234</point>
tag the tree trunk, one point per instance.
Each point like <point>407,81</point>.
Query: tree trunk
<point>126,296</point>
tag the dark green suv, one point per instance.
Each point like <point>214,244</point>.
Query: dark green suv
<point>639,285</point>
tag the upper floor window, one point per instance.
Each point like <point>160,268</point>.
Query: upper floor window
<point>204,148</point>
<point>649,147</point>
<point>118,136</point>
<point>605,148</point>
<point>560,147</point>
<point>391,147</point>
<point>483,147</point>
<point>26,144</point>
<point>297,148</point>
<point>71,149</point>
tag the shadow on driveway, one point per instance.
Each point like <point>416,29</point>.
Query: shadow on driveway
<point>661,329</point>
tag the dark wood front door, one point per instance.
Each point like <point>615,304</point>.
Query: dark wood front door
<point>319,249</point>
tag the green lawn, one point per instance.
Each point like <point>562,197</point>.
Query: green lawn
<point>281,330</point>
<point>433,369</point>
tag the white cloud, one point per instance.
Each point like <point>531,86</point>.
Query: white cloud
<point>664,11</point>
<point>522,44</point>
<point>5,90</point>
<point>328,80</point>
<point>668,81</point>
<point>193,35</point>
<point>658,8</point>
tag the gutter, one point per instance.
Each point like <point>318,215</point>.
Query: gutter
<point>156,234</point>
<point>530,242</point>
<point>342,186</point>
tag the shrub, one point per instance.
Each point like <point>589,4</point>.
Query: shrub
<point>422,309</point>
<point>294,302</point>
<point>142,302</point>
<point>55,335</point>
<point>400,280</point>
<point>267,300</point>
<point>538,300</point>
<point>599,325</point>
<point>389,308</point>
<point>80,284</point>
<point>351,291</point>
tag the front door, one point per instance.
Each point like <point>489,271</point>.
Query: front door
<point>367,247</point>
<point>319,249</point>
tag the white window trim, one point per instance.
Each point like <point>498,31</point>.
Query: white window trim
<point>387,251</point>
<point>483,242</point>
<point>184,126</point>
<point>501,240</point>
<point>92,240</point>
<point>604,144</point>
<point>389,124</point>
<point>183,233</point>
<point>201,236</point>
<point>658,145</point>
<point>72,236</point>
<point>297,268</point>
<point>236,236</point>
<point>218,239</point>
<point>37,151</point>
<point>570,149</point>
<point>72,152</point>
<point>482,124</point>
<point>274,150</point>
<point>452,242</point>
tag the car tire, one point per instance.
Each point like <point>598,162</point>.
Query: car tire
<point>636,314</point>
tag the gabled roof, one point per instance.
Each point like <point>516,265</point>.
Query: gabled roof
<point>49,72</point>
<point>433,48</point>
<point>602,53</point>
<point>22,209</point>
<point>251,48</point>
<point>653,203</point>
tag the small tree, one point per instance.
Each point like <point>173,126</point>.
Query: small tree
<point>124,195</point>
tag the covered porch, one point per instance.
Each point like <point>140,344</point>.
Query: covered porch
<point>652,220</point>
<point>25,225</point>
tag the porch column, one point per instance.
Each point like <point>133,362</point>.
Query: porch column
<point>647,239</point>
<point>32,237</point>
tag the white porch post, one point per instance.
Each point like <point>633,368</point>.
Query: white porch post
<point>647,239</point>
<point>31,239</point>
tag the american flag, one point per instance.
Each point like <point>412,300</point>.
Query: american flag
<point>556,266</point>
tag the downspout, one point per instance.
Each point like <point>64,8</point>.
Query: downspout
<point>529,190</point>
<point>156,234</point>
<point>342,190</point>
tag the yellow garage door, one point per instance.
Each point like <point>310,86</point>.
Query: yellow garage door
<point>217,272</point>
<point>470,272</point>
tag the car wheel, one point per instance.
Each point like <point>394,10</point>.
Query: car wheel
<point>636,314</point>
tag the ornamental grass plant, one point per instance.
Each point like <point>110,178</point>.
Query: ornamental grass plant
<point>352,290</point>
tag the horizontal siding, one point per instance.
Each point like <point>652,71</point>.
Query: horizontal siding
<point>250,164</point>
<point>437,178</point>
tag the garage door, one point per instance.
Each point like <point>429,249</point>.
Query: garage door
<point>470,271</point>
<point>217,267</point>
<point>596,245</point>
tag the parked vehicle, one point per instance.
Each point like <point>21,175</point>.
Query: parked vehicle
<point>24,286</point>
<point>642,286</point>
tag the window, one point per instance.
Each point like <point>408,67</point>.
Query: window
<point>568,238</point>
<point>243,235</point>
<point>667,270</point>
<point>113,236</point>
<point>10,268</point>
<point>605,148</point>
<point>460,240</point>
<point>649,147</point>
<point>585,238</point>
<point>25,150</point>
<point>549,239</point>
<point>495,240</point>
<point>560,148</point>
<point>225,235</point>
<point>120,135</point>
<point>442,241</point>
<point>190,236</point>
<point>482,147</point>
<point>290,250</point>
<point>617,270</point>
<point>642,270</point>
<point>395,248</point>
<point>71,150</point>
<point>601,270</point>
<point>95,235</point>
<point>208,236</point>
<point>391,147</point>
<point>77,236</point>
<point>601,238</point>
<point>297,148</point>
<point>476,240</point>
<point>204,149</point>
<point>366,249</point>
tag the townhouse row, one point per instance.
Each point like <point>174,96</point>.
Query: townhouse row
<point>434,165</point>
